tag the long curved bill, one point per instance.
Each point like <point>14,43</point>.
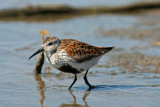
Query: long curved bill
<point>37,52</point>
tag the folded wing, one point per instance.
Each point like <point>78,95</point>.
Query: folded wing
<point>80,51</point>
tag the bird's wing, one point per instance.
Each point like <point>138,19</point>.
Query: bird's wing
<point>80,51</point>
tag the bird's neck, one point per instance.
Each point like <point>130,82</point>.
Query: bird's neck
<point>50,53</point>
<point>53,51</point>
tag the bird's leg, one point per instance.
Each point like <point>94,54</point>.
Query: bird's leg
<point>86,81</point>
<point>75,79</point>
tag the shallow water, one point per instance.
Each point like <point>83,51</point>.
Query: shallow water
<point>20,87</point>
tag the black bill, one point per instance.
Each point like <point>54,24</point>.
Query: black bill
<point>37,52</point>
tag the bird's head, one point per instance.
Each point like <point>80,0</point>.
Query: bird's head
<point>49,45</point>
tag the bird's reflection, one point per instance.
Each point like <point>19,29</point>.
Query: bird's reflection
<point>40,87</point>
<point>74,104</point>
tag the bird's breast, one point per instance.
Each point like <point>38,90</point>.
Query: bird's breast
<point>59,59</point>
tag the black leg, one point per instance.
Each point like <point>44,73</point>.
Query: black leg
<point>75,79</point>
<point>86,81</point>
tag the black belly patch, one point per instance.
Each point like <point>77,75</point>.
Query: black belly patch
<point>68,69</point>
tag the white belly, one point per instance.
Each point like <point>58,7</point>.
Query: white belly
<point>85,65</point>
<point>62,58</point>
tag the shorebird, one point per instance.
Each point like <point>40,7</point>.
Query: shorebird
<point>71,56</point>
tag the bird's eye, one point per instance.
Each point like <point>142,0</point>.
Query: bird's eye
<point>50,44</point>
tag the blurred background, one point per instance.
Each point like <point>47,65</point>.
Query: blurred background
<point>78,3</point>
<point>125,76</point>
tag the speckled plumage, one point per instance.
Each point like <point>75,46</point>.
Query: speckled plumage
<point>71,56</point>
<point>80,51</point>
<point>74,54</point>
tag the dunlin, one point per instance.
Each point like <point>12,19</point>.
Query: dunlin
<point>71,56</point>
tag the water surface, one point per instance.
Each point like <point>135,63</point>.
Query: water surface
<point>20,87</point>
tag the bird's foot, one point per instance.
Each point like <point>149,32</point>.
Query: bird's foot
<point>91,87</point>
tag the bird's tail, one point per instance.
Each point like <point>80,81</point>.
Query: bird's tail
<point>105,49</point>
